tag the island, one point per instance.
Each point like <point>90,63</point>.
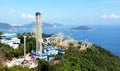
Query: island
<point>81,28</point>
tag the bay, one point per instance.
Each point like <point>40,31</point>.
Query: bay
<point>107,37</point>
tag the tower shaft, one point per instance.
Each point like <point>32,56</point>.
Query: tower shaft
<point>38,32</point>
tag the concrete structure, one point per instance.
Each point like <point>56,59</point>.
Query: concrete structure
<point>45,52</point>
<point>38,32</point>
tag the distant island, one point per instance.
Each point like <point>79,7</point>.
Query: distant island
<point>7,26</point>
<point>44,25</point>
<point>81,28</point>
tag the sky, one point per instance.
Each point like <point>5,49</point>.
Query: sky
<point>68,12</point>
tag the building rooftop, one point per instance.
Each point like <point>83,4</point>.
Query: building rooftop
<point>37,13</point>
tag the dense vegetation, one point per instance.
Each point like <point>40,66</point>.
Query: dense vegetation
<point>0,35</point>
<point>9,52</point>
<point>91,59</point>
<point>15,68</point>
<point>45,66</point>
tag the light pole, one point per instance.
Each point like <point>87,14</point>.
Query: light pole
<point>24,47</point>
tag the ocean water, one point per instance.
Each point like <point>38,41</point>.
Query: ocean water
<point>106,36</point>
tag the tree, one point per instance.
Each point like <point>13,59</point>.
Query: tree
<point>15,68</point>
<point>0,35</point>
<point>91,59</point>
<point>45,66</point>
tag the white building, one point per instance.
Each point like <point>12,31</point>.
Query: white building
<point>11,40</point>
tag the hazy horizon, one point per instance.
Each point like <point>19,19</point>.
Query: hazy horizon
<point>68,12</point>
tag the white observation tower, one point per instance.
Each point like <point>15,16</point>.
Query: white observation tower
<point>38,32</point>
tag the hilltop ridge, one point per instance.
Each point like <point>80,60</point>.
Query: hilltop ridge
<point>7,26</point>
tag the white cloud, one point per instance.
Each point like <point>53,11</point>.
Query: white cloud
<point>27,16</point>
<point>110,16</point>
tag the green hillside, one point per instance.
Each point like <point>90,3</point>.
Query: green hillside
<point>92,59</point>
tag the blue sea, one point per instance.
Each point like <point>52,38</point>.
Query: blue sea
<point>106,36</point>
